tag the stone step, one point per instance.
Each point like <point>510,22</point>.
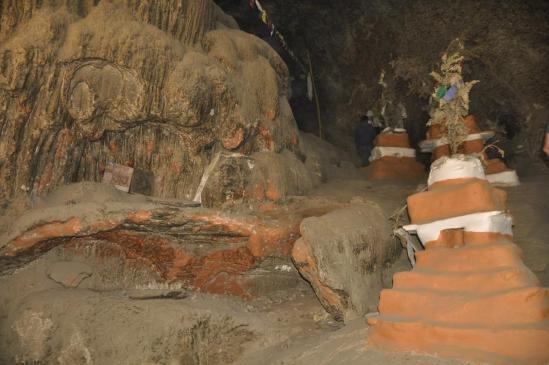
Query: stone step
<point>522,305</point>
<point>470,258</point>
<point>475,282</point>
<point>519,344</point>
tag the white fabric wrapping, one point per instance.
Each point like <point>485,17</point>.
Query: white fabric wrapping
<point>505,178</point>
<point>379,152</point>
<point>429,145</point>
<point>492,222</point>
<point>456,167</point>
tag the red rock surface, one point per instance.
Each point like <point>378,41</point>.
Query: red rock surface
<point>202,249</point>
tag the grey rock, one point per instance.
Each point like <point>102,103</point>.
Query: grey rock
<point>343,254</point>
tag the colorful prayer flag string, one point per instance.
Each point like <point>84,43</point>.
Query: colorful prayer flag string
<point>264,17</point>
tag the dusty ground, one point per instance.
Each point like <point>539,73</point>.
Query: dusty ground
<point>49,323</point>
<point>529,205</point>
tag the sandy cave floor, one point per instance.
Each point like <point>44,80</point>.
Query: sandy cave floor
<point>288,326</point>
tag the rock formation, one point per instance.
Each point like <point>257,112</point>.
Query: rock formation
<point>166,87</point>
<point>138,241</point>
<point>342,254</point>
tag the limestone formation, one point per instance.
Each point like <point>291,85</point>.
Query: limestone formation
<point>166,87</point>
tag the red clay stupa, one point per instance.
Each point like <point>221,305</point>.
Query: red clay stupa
<point>469,296</point>
<point>393,158</point>
<point>496,171</point>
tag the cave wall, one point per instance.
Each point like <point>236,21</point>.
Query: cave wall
<point>352,41</point>
<point>159,85</point>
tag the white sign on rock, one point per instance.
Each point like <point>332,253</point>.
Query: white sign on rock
<point>118,175</point>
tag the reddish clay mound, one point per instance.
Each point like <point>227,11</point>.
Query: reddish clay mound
<point>498,173</point>
<point>392,140</point>
<point>396,168</point>
<point>476,302</point>
<point>495,166</point>
<point>437,131</point>
<point>471,196</point>
<point>469,295</point>
<point>393,159</point>
<point>466,148</point>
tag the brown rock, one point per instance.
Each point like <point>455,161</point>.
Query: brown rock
<point>69,273</point>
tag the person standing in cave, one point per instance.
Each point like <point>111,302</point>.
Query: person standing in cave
<point>364,138</point>
<point>546,143</point>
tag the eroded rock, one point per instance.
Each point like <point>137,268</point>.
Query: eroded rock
<point>155,86</point>
<point>342,254</point>
<point>133,241</point>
